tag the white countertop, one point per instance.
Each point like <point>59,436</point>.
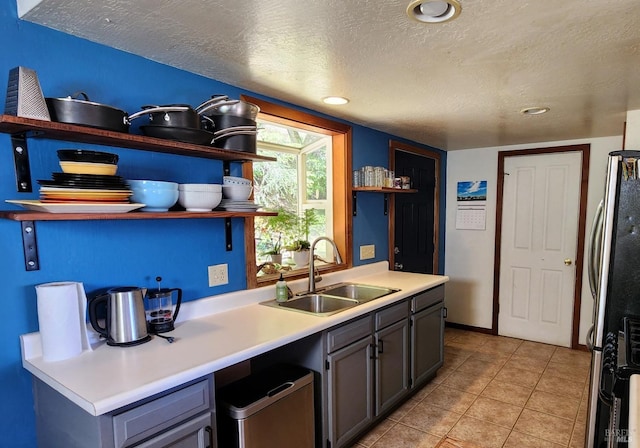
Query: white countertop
<point>212,333</point>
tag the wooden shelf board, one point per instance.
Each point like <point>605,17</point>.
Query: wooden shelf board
<point>26,215</point>
<point>384,190</point>
<point>10,124</point>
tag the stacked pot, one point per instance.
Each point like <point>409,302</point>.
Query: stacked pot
<point>233,122</point>
<point>219,121</point>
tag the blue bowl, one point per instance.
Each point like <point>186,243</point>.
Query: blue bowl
<point>152,184</point>
<point>155,200</point>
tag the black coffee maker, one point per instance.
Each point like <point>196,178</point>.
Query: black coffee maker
<point>160,310</point>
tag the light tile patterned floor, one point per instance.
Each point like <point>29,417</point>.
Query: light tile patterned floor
<point>493,392</point>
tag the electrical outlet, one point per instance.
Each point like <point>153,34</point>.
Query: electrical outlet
<point>367,252</point>
<point>218,275</point>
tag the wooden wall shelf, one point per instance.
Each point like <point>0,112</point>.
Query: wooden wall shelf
<point>26,215</point>
<point>21,128</point>
<point>384,190</point>
<point>387,191</point>
<point>10,124</point>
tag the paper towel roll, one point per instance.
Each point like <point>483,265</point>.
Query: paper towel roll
<point>61,317</point>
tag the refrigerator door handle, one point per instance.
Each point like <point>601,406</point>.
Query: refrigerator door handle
<point>589,340</point>
<point>595,252</point>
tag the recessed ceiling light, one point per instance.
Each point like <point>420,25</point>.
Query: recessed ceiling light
<point>434,11</point>
<point>335,100</point>
<point>534,110</point>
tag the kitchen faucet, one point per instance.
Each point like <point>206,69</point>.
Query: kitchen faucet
<point>312,270</point>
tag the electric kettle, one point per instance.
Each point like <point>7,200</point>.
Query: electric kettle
<point>161,313</point>
<point>125,322</point>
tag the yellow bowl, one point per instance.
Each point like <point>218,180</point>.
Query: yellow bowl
<point>88,168</point>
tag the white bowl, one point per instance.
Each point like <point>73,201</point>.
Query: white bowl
<point>237,192</point>
<point>199,201</point>
<point>232,180</point>
<point>216,188</point>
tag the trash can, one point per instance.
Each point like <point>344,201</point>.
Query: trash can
<point>268,409</point>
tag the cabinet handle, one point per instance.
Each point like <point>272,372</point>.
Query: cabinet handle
<point>380,346</point>
<point>444,312</point>
<point>209,431</point>
<point>372,351</point>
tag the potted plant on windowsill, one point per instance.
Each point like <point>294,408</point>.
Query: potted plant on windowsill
<point>300,247</point>
<point>275,251</point>
<point>300,252</point>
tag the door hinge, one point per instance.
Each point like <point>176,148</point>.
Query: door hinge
<point>444,312</point>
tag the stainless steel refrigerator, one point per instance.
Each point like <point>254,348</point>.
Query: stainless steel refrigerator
<point>614,277</point>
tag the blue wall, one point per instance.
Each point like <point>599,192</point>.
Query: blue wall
<point>121,252</point>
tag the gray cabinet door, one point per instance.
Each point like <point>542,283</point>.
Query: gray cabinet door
<point>196,433</point>
<point>350,391</point>
<point>427,341</point>
<point>392,364</point>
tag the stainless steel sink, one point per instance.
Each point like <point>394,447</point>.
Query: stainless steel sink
<point>355,291</point>
<point>333,299</point>
<point>318,304</point>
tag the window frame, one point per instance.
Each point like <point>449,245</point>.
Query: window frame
<point>341,136</point>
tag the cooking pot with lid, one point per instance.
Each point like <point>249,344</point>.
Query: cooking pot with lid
<point>78,109</point>
<point>241,109</point>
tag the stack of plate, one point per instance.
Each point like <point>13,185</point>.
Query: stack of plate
<point>238,206</point>
<point>84,188</point>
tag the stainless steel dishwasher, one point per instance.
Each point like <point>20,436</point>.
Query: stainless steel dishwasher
<point>268,409</point>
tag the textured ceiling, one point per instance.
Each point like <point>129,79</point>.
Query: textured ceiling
<point>455,85</point>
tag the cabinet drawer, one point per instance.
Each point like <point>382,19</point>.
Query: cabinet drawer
<point>427,298</point>
<point>391,315</point>
<point>150,418</point>
<point>346,334</point>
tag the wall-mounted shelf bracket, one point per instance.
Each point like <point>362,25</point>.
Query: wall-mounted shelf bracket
<point>227,234</point>
<point>21,162</point>
<point>354,202</point>
<point>30,245</point>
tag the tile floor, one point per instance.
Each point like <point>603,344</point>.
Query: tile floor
<point>493,392</point>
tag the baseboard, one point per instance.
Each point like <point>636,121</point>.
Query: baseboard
<point>469,328</point>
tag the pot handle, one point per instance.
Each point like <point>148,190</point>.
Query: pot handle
<point>231,134</point>
<point>93,316</point>
<point>235,129</point>
<point>214,99</point>
<point>216,104</point>
<point>209,119</point>
<point>156,109</point>
<point>78,94</point>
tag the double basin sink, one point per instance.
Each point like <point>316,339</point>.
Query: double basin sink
<point>333,299</point>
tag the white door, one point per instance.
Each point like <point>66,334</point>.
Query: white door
<point>541,199</point>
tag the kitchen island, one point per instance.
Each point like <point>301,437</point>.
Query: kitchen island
<point>211,334</point>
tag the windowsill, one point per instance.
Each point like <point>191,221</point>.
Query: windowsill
<point>296,274</point>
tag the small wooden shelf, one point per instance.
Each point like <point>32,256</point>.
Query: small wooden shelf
<point>10,124</point>
<point>384,190</point>
<point>27,215</point>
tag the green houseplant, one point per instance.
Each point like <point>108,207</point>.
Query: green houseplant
<point>274,231</point>
<point>300,246</point>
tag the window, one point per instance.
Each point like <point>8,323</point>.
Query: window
<point>314,154</point>
<point>298,185</point>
